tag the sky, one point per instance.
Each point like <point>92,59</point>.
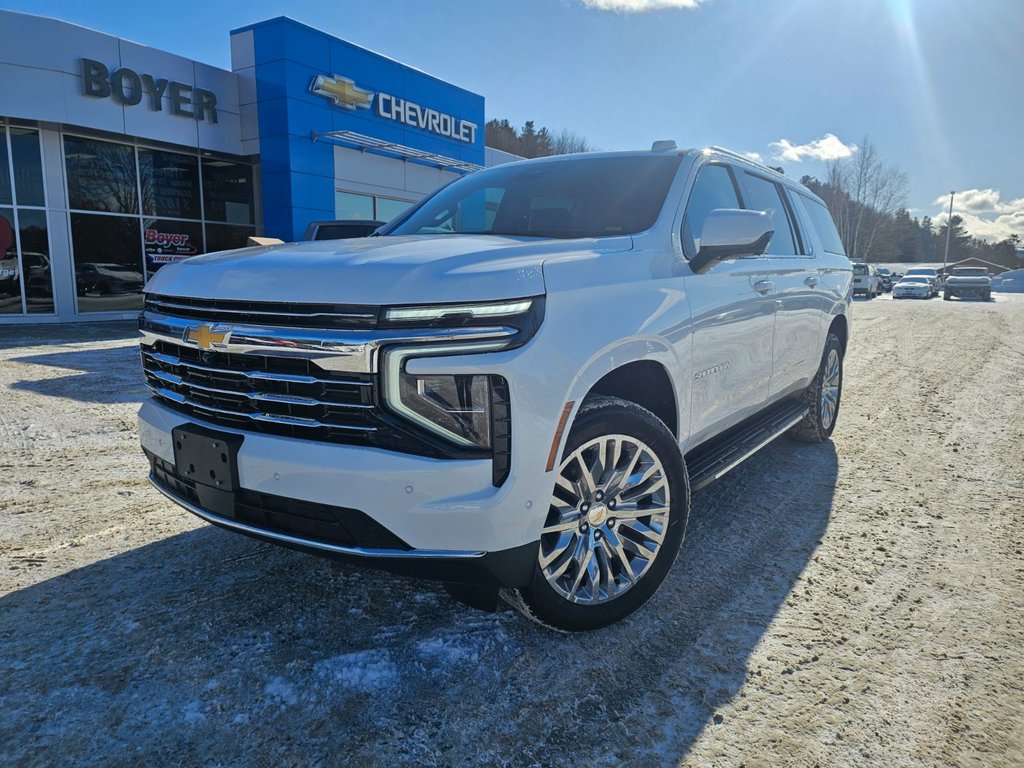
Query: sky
<point>937,85</point>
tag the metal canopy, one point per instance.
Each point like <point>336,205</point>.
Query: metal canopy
<point>362,142</point>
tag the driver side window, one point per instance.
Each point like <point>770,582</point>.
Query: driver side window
<point>713,189</point>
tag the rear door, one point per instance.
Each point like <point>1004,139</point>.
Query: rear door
<point>733,316</point>
<point>797,344</point>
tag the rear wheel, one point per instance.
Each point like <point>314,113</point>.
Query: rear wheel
<point>822,396</point>
<point>615,519</point>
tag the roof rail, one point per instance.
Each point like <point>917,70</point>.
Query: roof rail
<point>741,156</point>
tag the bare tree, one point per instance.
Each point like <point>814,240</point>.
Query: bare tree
<point>566,142</point>
<point>864,194</point>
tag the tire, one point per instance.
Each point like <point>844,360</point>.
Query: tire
<point>946,296</point>
<point>564,595</point>
<point>819,422</point>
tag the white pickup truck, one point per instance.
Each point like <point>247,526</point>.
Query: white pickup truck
<point>515,386</point>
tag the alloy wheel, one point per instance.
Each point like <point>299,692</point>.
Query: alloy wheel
<point>607,519</point>
<point>830,389</point>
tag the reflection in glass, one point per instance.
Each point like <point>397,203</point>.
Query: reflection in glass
<point>35,260</point>
<point>10,284</point>
<point>5,171</point>
<point>167,241</point>
<point>387,208</point>
<point>101,175</point>
<point>170,184</point>
<point>227,191</point>
<point>28,166</point>
<point>224,237</point>
<point>108,262</point>
<point>349,205</point>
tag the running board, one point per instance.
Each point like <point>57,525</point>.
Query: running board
<point>709,461</point>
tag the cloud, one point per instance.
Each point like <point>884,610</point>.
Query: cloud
<point>828,147</point>
<point>984,213</point>
<point>639,6</point>
<point>755,156</point>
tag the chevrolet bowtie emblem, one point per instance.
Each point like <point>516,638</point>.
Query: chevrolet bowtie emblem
<point>342,91</point>
<point>205,336</point>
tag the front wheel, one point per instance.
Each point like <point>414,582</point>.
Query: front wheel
<point>615,520</point>
<point>822,396</point>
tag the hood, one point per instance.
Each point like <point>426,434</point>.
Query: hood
<point>377,270</point>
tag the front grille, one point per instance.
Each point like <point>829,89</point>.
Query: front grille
<point>261,313</point>
<point>279,514</point>
<point>280,395</point>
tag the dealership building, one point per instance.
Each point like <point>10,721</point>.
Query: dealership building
<point>116,158</point>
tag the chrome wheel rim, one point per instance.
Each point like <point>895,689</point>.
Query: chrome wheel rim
<point>607,519</point>
<point>830,382</point>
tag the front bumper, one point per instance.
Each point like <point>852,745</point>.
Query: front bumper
<point>446,516</point>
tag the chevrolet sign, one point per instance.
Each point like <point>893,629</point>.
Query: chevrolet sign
<point>346,94</point>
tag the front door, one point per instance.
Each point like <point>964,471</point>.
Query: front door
<point>733,317</point>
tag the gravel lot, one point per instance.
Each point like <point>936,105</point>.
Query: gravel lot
<point>856,603</point>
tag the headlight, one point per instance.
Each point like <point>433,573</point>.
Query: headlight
<point>456,407</point>
<point>450,312</point>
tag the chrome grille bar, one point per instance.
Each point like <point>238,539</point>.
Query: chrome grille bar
<point>289,378</point>
<point>270,418</point>
<point>273,397</point>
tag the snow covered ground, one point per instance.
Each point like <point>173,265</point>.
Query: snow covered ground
<point>855,603</point>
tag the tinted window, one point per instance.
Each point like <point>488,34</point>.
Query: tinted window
<point>101,176</point>
<point>5,170</point>
<point>713,189</point>
<point>108,262</point>
<point>350,205</point>
<point>10,269</point>
<point>170,184</point>
<point>970,272</point>
<point>580,197</point>
<point>860,269</point>
<point>344,231</point>
<point>35,260</point>
<point>28,166</point>
<point>225,237</point>
<point>166,241</point>
<point>822,222</point>
<point>765,195</point>
<point>228,192</point>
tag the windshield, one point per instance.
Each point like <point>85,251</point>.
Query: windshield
<point>914,280</point>
<point>970,272</point>
<point>928,272</point>
<point>860,269</point>
<point>579,197</point>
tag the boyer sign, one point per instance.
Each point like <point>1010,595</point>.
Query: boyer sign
<point>128,87</point>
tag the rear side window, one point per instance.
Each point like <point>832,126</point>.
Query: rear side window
<point>821,219</point>
<point>765,195</point>
<point>713,189</point>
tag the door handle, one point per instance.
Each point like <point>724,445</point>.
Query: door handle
<point>811,282</point>
<point>763,286</point>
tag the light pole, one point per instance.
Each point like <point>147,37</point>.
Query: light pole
<point>949,231</point>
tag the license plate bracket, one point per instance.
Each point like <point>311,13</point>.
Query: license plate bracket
<point>207,456</point>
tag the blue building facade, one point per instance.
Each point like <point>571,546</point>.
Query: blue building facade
<point>316,103</point>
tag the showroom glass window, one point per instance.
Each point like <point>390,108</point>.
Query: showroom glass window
<point>352,205</point>
<point>228,200</point>
<point>136,209</point>
<point>26,283</point>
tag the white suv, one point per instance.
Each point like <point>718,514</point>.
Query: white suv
<point>516,385</point>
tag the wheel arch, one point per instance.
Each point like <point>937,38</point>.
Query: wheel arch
<point>840,326</point>
<point>646,383</point>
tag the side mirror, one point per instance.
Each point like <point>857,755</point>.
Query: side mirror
<point>731,233</point>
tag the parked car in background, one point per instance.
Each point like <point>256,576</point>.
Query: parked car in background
<point>931,274</point>
<point>885,279</point>
<point>107,278</point>
<point>964,282</point>
<point>341,229</point>
<point>913,287</point>
<point>865,280</point>
<point>1009,282</point>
